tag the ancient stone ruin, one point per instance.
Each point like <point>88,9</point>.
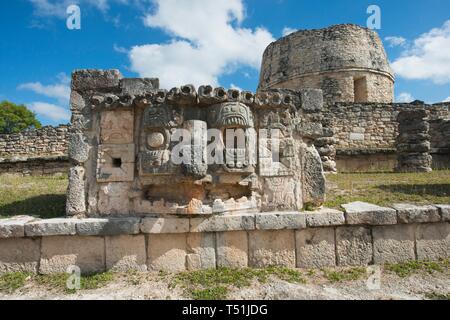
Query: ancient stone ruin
<point>125,132</point>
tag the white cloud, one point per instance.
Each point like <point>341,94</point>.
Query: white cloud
<point>50,111</point>
<point>287,31</point>
<point>404,97</point>
<point>59,91</point>
<point>447,100</point>
<point>207,41</point>
<point>233,86</point>
<point>396,41</point>
<point>429,57</point>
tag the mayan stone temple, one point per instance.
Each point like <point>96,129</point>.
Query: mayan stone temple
<point>192,178</point>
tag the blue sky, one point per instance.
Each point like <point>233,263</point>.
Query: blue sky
<point>201,41</point>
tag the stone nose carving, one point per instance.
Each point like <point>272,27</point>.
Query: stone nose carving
<point>195,149</point>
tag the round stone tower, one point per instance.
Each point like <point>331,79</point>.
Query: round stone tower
<point>346,61</point>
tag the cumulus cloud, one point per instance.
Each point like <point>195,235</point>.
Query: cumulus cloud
<point>207,41</point>
<point>50,111</point>
<point>59,91</point>
<point>428,58</point>
<point>287,31</point>
<point>447,100</point>
<point>395,41</point>
<point>404,97</point>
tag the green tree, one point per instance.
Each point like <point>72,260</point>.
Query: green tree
<point>15,118</point>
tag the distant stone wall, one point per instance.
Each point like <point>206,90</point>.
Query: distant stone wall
<point>45,141</point>
<point>35,152</point>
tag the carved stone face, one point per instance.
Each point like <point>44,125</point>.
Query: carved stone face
<point>230,114</point>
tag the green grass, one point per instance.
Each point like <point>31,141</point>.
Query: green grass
<point>389,188</point>
<point>437,296</point>
<point>214,284</point>
<point>10,282</point>
<point>42,196</point>
<point>89,282</point>
<point>405,269</point>
<point>350,274</point>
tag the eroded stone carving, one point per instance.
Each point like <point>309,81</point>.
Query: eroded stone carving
<point>180,152</point>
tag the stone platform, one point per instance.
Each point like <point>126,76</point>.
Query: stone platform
<point>362,234</point>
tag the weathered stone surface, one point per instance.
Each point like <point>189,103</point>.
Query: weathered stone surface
<point>113,199</point>
<point>167,252</point>
<point>369,214</point>
<point>232,249</point>
<point>315,248</point>
<point>314,181</point>
<point>125,253</point>
<point>77,103</point>
<point>78,148</point>
<point>76,198</point>
<point>59,253</point>
<point>95,79</point>
<point>108,227</point>
<point>409,213</point>
<point>445,211</point>
<point>223,223</point>
<point>136,86</point>
<point>14,227</point>
<point>325,217</point>
<point>51,227</point>
<point>354,246</point>
<point>393,244</point>
<point>204,246</point>
<point>280,220</point>
<point>433,241</point>
<point>269,248</point>
<point>19,255</point>
<point>165,225</point>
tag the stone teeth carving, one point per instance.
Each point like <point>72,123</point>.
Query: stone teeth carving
<point>138,120</point>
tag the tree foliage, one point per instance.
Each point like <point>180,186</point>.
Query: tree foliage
<point>15,118</point>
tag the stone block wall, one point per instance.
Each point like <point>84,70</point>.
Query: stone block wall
<point>361,235</point>
<point>39,142</point>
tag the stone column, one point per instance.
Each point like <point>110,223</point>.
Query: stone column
<point>326,146</point>
<point>413,141</point>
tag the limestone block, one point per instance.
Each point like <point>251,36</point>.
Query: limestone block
<point>312,100</point>
<point>314,178</point>
<point>124,253</point>
<point>315,248</point>
<point>409,213</point>
<point>325,217</point>
<point>167,252</point>
<point>77,103</point>
<point>193,262</point>
<point>117,127</point>
<point>95,79</point>
<point>393,244</point>
<point>233,222</point>
<point>108,227</point>
<point>232,249</point>
<point>272,248</point>
<point>165,225</point>
<point>115,163</point>
<point>280,220</point>
<point>445,211</point>
<point>58,253</point>
<point>19,254</point>
<point>204,246</point>
<point>51,227</point>
<point>78,148</point>
<point>113,199</point>
<point>138,86</point>
<point>76,198</point>
<point>14,227</point>
<point>433,241</point>
<point>369,214</point>
<point>280,193</point>
<point>354,246</point>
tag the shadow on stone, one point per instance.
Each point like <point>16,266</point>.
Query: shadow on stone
<point>43,206</point>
